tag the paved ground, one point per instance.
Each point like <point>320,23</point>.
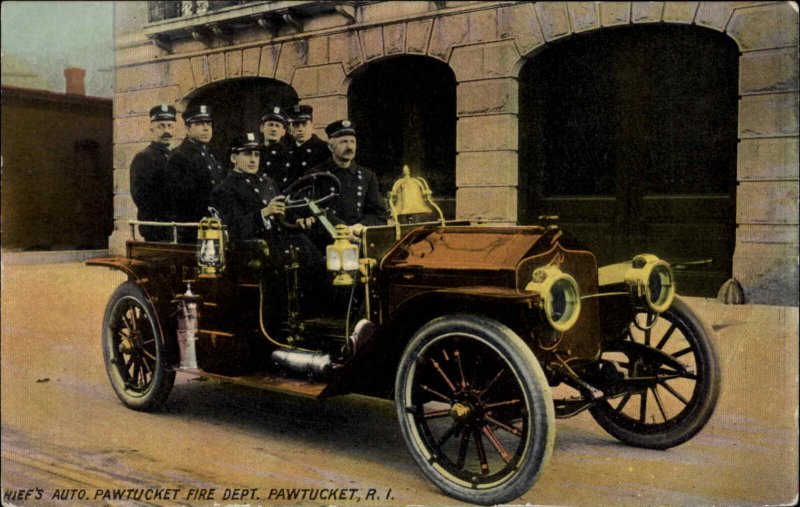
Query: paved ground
<point>65,432</point>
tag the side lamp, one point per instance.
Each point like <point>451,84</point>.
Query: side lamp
<point>342,257</point>
<point>210,248</point>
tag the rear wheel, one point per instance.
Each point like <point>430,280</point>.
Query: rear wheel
<point>677,369</point>
<point>133,349</point>
<point>475,409</point>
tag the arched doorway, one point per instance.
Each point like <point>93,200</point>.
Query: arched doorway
<point>237,104</point>
<point>629,136</point>
<point>405,109</point>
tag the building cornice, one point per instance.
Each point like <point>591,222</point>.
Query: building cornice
<point>128,41</point>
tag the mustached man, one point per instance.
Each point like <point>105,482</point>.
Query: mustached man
<point>147,175</point>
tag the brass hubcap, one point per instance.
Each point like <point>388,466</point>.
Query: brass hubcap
<point>126,346</point>
<point>460,412</point>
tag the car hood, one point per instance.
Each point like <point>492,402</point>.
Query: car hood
<point>466,248</point>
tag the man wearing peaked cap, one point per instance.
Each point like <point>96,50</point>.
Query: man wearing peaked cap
<point>147,175</point>
<point>197,113</point>
<point>273,125</point>
<point>193,170</point>
<point>275,154</point>
<point>245,193</point>
<point>360,202</point>
<point>305,149</point>
<point>250,205</point>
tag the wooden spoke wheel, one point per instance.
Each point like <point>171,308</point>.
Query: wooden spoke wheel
<point>475,409</point>
<point>133,350</point>
<point>674,371</point>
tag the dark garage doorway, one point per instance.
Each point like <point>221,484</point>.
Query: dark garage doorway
<point>629,136</point>
<point>237,104</point>
<point>405,110</point>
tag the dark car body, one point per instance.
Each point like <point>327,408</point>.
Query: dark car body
<point>435,316</point>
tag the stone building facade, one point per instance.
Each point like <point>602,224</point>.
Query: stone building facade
<point>318,48</point>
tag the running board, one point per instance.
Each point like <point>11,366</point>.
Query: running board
<point>274,383</point>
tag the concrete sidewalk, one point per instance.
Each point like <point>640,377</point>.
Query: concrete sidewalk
<point>50,257</point>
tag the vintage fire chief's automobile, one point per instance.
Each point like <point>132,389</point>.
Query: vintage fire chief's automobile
<point>481,335</point>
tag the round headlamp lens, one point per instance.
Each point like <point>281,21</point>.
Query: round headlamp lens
<point>561,300</point>
<point>651,283</point>
<point>659,285</point>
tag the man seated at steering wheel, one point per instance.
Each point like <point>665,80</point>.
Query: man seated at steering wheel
<point>359,202</point>
<point>250,206</point>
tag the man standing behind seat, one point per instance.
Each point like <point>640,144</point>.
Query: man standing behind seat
<point>306,150</point>
<point>360,202</point>
<point>147,175</point>
<point>275,155</point>
<point>193,171</point>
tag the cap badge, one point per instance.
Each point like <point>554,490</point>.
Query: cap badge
<point>203,110</point>
<point>164,108</point>
<point>250,136</point>
<point>346,124</point>
<point>276,110</point>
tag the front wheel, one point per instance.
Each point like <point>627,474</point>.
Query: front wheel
<point>677,373</point>
<point>133,349</point>
<point>475,409</point>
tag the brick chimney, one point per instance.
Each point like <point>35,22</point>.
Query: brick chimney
<point>74,76</point>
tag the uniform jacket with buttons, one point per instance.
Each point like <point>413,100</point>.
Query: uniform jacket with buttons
<point>275,163</point>
<point>193,170</point>
<point>360,200</point>
<point>302,158</point>
<point>239,200</point>
<point>147,189</point>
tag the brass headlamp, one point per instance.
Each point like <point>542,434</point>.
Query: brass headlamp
<point>561,300</point>
<point>651,282</point>
<point>342,257</point>
<point>210,247</point>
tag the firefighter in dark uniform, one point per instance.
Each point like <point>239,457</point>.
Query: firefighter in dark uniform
<point>275,154</point>
<point>305,149</point>
<point>250,206</point>
<point>147,175</point>
<point>193,170</point>
<point>360,202</point>
<point>247,200</point>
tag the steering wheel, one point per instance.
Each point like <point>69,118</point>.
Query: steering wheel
<point>315,187</point>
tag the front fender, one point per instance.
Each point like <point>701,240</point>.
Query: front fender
<point>482,296</point>
<point>372,371</point>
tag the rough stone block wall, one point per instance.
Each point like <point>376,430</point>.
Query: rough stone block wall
<point>766,256</point>
<point>486,44</point>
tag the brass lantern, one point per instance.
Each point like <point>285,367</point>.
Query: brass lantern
<point>342,257</point>
<point>210,247</point>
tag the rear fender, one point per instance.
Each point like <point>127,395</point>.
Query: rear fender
<point>158,293</point>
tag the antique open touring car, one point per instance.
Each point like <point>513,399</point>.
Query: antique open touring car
<point>469,329</point>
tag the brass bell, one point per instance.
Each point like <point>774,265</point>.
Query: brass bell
<point>410,194</point>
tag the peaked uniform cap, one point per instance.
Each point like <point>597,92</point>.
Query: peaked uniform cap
<point>163,112</point>
<point>301,112</point>
<point>274,113</point>
<point>248,141</point>
<point>197,113</point>
<point>340,128</point>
